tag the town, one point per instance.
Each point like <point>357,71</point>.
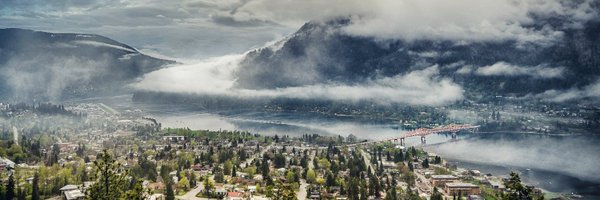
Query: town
<point>80,151</point>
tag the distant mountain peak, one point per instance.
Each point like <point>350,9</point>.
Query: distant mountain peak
<point>320,52</point>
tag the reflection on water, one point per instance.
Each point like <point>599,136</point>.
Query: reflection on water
<point>557,164</point>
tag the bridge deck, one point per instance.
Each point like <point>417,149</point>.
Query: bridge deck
<point>452,128</point>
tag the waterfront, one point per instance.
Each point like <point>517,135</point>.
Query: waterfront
<point>556,164</point>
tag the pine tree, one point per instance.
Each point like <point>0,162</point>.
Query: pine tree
<point>518,190</point>
<point>169,194</point>
<point>391,194</point>
<point>10,187</point>
<point>436,194</point>
<point>110,179</point>
<point>35,188</point>
<point>136,193</point>
<point>21,194</point>
<point>209,186</point>
<point>425,163</point>
<point>363,190</point>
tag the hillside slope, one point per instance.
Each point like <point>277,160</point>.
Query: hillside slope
<point>53,66</point>
<point>321,52</point>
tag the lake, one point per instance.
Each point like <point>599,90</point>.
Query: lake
<point>558,164</point>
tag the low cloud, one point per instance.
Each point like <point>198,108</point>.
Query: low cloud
<point>460,20</point>
<point>558,155</point>
<point>589,91</point>
<point>207,28</point>
<point>47,77</point>
<point>215,77</point>
<point>506,69</point>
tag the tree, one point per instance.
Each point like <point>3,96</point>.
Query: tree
<point>282,191</point>
<point>517,190</point>
<point>21,193</point>
<point>264,168</point>
<point>279,160</point>
<point>218,173</point>
<point>311,176</point>
<point>169,194</point>
<point>227,167</point>
<point>234,171</point>
<point>363,190</point>
<point>209,186</point>
<point>324,163</point>
<point>330,180</point>
<point>35,187</point>
<point>391,194</point>
<point>425,163</point>
<point>110,179</point>
<point>10,187</point>
<point>53,155</point>
<point>436,195</point>
<point>184,184</point>
<point>251,171</point>
<point>290,176</point>
<point>136,193</point>
<point>351,138</point>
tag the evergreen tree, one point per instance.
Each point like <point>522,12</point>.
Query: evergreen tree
<point>110,179</point>
<point>35,187</point>
<point>21,194</point>
<point>436,195</point>
<point>330,180</point>
<point>227,167</point>
<point>234,171</point>
<point>391,194</point>
<point>264,168</point>
<point>209,186</point>
<point>136,192</point>
<point>518,190</point>
<point>364,195</point>
<point>169,194</point>
<point>10,188</point>
<point>219,176</point>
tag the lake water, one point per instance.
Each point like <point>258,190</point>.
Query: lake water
<point>556,164</point>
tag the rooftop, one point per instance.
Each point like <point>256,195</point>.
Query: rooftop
<point>443,177</point>
<point>74,194</point>
<point>461,185</point>
<point>68,188</point>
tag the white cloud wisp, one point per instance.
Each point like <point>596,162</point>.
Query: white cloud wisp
<point>215,77</point>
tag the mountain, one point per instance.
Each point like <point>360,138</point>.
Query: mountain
<point>54,66</point>
<point>321,52</point>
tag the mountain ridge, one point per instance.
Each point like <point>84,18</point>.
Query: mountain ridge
<point>53,66</point>
<point>320,52</point>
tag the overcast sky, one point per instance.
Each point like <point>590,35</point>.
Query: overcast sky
<point>212,35</point>
<point>205,28</point>
<point>184,29</point>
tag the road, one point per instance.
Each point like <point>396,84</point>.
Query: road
<point>423,184</point>
<point>191,195</point>
<point>367,160</point>
<point>302,192</point>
